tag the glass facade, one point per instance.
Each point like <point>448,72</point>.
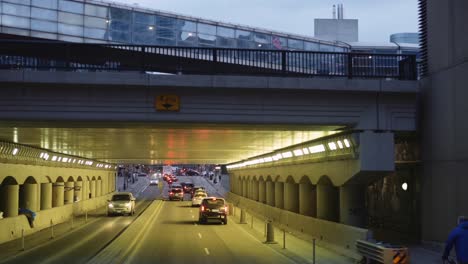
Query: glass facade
<point>100,22</point>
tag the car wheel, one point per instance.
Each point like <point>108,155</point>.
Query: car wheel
<point>225,220</point>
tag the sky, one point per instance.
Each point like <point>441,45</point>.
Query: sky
<point>378,19</point>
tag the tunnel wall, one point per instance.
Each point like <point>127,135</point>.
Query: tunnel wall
<point>339,237</point>
<point>10,227</point>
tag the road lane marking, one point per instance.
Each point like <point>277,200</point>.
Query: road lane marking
<point>206,251</point>
<point>193,216</point>
<point>144,189</point>
<point>194,223</point>
<point>129,254</point>
<point>191,210</point>
<point>199,235</point>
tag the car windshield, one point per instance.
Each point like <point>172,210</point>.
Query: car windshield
<point>200,195</point>
<point>176,190</point>
<point>189,184</point>
<point>121,197</point>
<point>212,204</point>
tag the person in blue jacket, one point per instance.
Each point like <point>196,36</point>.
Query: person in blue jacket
<point>459,237</point>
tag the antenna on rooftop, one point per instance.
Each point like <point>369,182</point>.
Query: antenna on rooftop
<point>334,12</point>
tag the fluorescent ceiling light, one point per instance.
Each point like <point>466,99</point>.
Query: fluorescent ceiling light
<point>332,145</point>
<point>15,151</point>
<point>347,144</point>
<point>317,149</point>
<point>340,145</point>
<point>298,152</point>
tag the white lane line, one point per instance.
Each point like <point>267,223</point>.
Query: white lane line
<point>193,216</point>
<point>191,210</point>
<point>199,235</point>
<point>144,189</point>
<point>206,251</point>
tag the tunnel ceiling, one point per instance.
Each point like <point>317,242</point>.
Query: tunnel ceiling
<point>162,143</point>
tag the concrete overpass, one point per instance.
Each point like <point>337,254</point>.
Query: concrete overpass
<point>106,118</point>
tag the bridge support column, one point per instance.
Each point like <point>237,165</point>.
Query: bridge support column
<point>262,191</point>
<point>279,195</point>
<point>307,199</point>
<point>10,200</point>
<point>46,196</point>
<point>92,186</point>
<point>255,190</point>
<point>98,188</point>
<point>57,194</point>
<point>352,205</point>
<point>29,200</point>
<point>69,191</point>
<point>78,191</point>
<point>270,193</point>
<point>291,197</point>
<point>327,202</point>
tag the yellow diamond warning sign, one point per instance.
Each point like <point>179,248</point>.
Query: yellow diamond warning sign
<point>167,103</point>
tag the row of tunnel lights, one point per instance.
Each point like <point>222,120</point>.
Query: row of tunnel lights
<point>46,156</point>
<point>296,153</point>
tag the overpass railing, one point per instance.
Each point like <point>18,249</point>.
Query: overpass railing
<point>40,55</point>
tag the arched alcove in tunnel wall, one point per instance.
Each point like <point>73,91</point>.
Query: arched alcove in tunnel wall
<point>291,195</point>
<point>261,190</point>
<point>9,196</point>
<point>307,197</point>
<point>270,191</point>
<point>327,199</point>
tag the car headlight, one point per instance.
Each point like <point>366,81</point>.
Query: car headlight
<point>111,205</point>
<point>128,204</point>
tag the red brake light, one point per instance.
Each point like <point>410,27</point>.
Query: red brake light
<point>202,208</point>
<point>171,193</point>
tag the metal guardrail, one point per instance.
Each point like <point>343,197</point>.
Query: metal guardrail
<point>382,254</point>
<point>49,55</point>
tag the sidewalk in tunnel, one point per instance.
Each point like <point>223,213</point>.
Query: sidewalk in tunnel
<point>40,238</point>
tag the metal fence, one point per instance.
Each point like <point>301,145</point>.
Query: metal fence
<point>199,60</point>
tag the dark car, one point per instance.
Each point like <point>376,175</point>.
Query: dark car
<point>176,194</point>
<point>192,173</point>
<point>213,208</point>
<point>188,187</point>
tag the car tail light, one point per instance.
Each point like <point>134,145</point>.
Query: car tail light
<point>202,208</point>
<point>171,193</point>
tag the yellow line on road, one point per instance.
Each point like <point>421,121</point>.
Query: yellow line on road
<point>207,251</point>
<point>199,235</point>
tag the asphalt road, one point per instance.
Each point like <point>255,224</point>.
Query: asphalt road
<point>173,235</point>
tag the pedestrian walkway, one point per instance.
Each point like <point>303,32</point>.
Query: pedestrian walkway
<point>42,237</point>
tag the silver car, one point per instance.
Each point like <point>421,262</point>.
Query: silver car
<point>121,203</point>
<point>198,197</point>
